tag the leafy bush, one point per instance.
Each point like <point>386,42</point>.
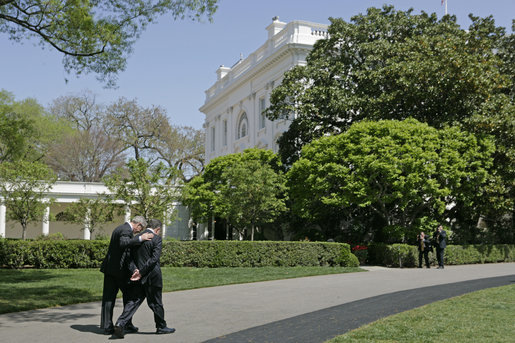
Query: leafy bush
<point>89,254</point>
<point>58,236</point>
<point>403,255</point>
<point>255,254</point>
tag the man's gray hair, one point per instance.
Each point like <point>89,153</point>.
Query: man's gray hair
<point>140,220</point>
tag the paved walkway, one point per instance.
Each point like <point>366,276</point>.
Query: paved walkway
<point>251,312</point>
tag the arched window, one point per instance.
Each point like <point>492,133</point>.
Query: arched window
<point>243,126</point>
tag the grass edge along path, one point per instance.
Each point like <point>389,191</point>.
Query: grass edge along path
<point>481,316</point>
<point>30,289</point>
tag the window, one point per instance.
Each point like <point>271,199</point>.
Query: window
<point>262,118</point>
<point>242,126</point>
<point>213,138</point>
<point>224,140</point>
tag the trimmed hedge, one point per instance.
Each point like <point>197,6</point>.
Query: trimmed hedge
<point>256,254</point>
<point>89,254</point>
<point>403,255</point>
<point>52,253</point>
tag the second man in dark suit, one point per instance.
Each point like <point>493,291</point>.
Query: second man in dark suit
<point>440,242</point>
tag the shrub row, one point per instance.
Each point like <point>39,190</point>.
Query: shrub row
<point>89,254</point>
<point>52,254</point>
<point>403,255</point>
<point>256,254</point>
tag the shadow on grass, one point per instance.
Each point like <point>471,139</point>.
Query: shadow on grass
<point>13,299</point>
<point>26,275</point>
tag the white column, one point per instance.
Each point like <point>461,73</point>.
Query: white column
<point>165,222</point>
<point>46,222</point>
<point>127,214</point>
<point>87,228</point>
<point>2,221</point>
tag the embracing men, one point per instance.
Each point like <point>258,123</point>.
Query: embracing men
<point>114,268</point>
<point>147,282</point>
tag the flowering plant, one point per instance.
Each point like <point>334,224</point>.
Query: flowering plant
<point>361,253</point>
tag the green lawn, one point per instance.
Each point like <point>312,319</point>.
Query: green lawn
<point>482,316</point>
<point>28,289</point>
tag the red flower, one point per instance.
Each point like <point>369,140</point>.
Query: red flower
<point>359,247</point>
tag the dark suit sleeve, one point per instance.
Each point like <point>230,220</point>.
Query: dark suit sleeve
<point>151,262</point>
<point>131,265</point>
<point>127,239</point>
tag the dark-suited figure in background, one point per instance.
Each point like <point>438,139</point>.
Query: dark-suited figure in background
<point>116,276</point>
<point>145,267</point>
<point>440,242</point>
<point>424,247</point>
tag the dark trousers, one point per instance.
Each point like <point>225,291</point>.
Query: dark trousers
<point>424,253</point>
<point>439,256</point>
<point>154,297</point>
<point>112,285</point>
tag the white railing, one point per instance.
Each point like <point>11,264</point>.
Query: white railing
<point>295,32</point>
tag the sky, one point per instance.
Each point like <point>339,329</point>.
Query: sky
<point>174,62</point>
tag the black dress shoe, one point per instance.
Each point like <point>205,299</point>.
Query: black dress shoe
<point>165,330</point>
<point>131,329</point>
<point>109,331</point>
<point>118,332</point>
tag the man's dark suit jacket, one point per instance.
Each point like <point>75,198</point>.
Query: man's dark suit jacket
<point>146,259</point>
<point>117,253</point>
<point>440,242</point>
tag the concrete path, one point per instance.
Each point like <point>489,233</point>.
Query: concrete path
<point>216,313</point>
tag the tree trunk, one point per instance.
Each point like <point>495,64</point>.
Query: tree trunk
<point>252,233</point>
<point>24,231</point>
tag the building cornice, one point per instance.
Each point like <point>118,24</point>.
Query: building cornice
<point>295,36</point>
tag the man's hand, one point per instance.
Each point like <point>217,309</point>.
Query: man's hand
<point>147,236</point>
<point>136,275</point>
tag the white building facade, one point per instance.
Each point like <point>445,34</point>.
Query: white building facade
<point>234,105</point>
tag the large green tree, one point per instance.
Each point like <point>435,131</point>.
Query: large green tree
<point>398,171</point>
<point>93,36</point>
<point>246,189</point>
<point>389,64</point>
<point>26,130</point>
<point>23,190</point>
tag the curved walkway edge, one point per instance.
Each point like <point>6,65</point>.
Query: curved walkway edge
<point>322,325</point>
<point>256,312</point>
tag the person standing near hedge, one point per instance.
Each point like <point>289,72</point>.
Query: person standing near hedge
<point>145,267</point>
<point>440,240</point>
<point>116,276</point>
<point>424,247</point>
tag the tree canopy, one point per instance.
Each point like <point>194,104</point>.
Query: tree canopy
<point>23,188</point>
<point>397,171</point>
<point>389,64</point>
<point>149,191</point>
<point>246,189</point>
<point>26,130</point>
<point>93,36</point>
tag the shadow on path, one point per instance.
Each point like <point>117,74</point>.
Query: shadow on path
<point>88,328</point>
<point>320,326</point>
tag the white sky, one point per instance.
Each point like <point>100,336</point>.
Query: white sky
<point>175,62</point>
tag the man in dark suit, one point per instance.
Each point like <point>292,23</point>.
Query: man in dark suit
<point>424,247</point>
<point>116,276</point>
<point>146,269</point>
<point>440,242</point>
